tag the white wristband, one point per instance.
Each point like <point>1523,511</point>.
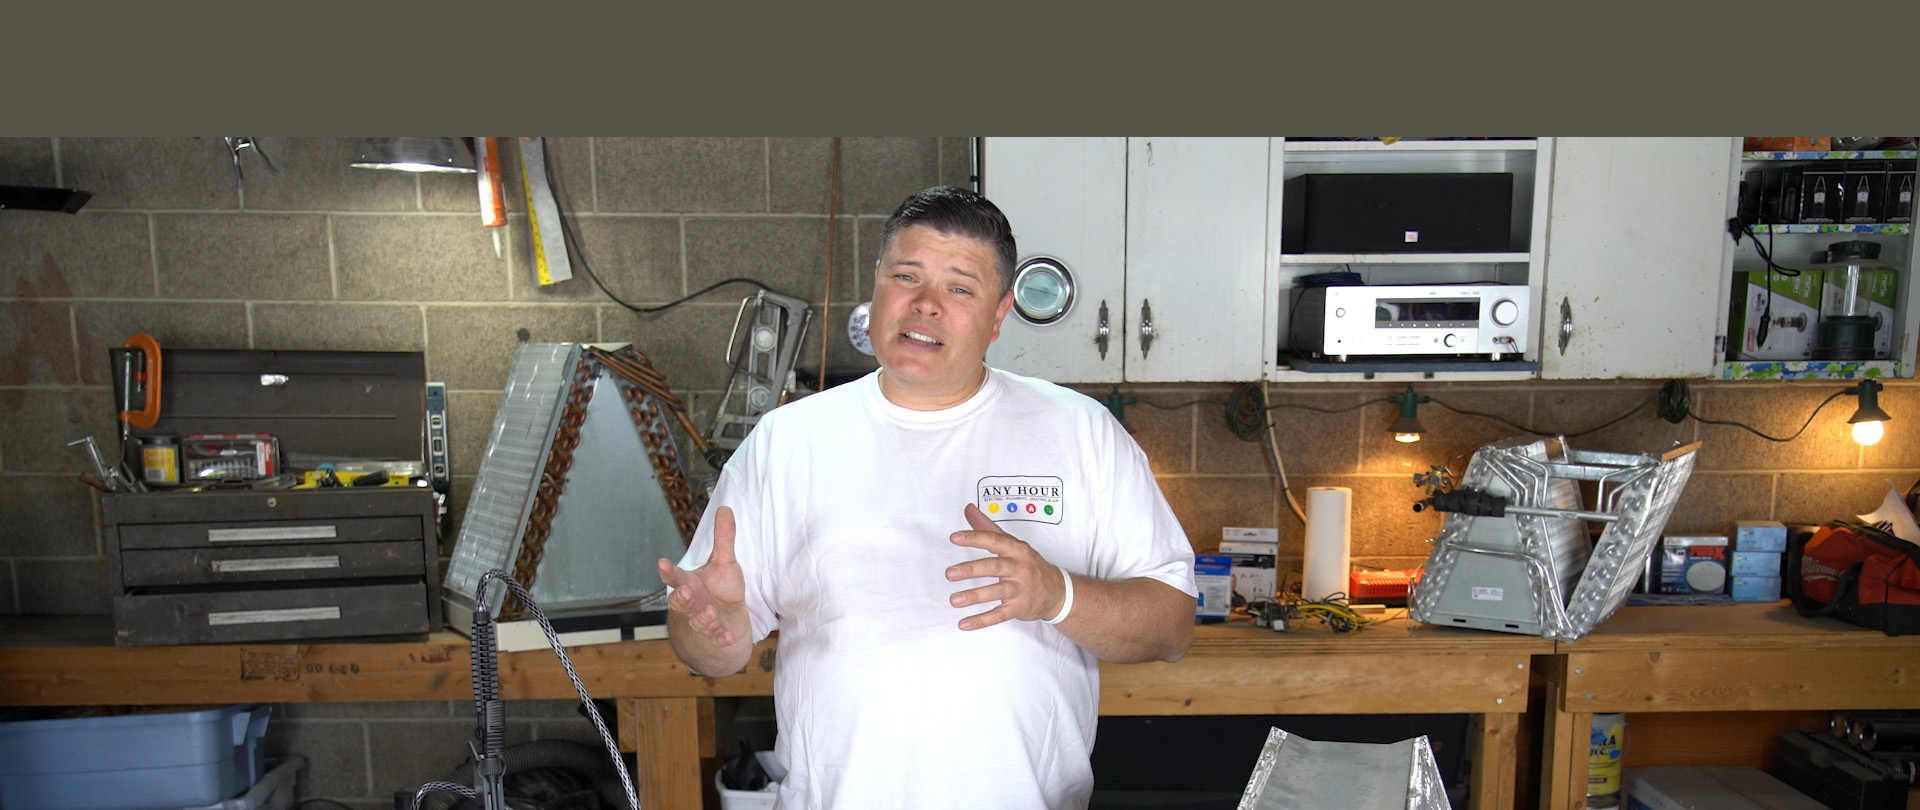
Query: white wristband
<point>1066,605</point>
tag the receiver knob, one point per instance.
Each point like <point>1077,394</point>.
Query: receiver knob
<point>1505,312</point>
<point>1451,340</point>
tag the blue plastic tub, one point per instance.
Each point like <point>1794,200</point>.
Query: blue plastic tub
<point>131,762</point>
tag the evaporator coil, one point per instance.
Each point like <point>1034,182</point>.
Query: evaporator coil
<point>580,490</point>
<point>1527,566</point>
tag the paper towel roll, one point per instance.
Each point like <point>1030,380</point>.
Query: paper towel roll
<point>1329,541</point>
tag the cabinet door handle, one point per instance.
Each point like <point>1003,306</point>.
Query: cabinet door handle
<point>1146,327</point>
<point>1566,324</point>
<point>1100,334</point>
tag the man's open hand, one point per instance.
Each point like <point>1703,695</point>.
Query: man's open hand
<point>1027,587</point>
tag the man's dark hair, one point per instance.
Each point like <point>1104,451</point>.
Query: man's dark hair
<point>958,212</point>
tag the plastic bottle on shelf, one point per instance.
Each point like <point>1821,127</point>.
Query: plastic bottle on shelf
<point>1609,742</point>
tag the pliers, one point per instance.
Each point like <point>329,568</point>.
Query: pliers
<point>234,145</point>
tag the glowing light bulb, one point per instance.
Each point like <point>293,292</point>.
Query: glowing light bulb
<point>1410,438</point>
<point>1868,433</point>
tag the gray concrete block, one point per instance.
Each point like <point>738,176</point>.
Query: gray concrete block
<point>36,424</point>
<point>86,255</point>
<point>164,174</point>
<point>407,755</point>
<point>315,175</point>
<point>339,327</point>
<point>37,343</point>
<point>572,178</point>
<point>472,347</point>
<point>417,257</point>
<point>64,587</point>
<point>26,162</point>
<point>175,325</point>
<point>956,162</point>
<point>876,174</point>
<point>48,516</point>
<point>273,257</point>
<point>800,176</point>
<point>636,257</point>
<point>336,754</point>
<point>469,427</point>
<point>789,255</point>
<point>681,175</point>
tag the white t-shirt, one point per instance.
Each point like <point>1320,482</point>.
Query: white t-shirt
<point>844,505</point>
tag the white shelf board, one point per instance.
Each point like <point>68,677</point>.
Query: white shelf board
<point>1405,258</point>
<point>1290,375</point>
<point>1412,146</point>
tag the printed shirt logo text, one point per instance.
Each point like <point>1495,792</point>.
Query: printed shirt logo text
<point>1035,498</point>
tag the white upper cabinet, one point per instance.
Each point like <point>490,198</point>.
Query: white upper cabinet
<point>1196,258</point>
<point>1163,241</point>
<point>1067,201</point>
<point>1635,243</point>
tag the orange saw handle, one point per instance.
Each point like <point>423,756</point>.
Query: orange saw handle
<point>149,378</point>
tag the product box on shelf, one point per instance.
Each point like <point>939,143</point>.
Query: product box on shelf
<point>1823,193</point>
<point>1254,554</point>
<point>1791,310</point>
<point>1900,192</point>
<point>1754,564</point>
<point>1866,199</point>
<point>1756,589</point>
<point>1759,535</point>
<point>1213,575</point>
<point>1692,564</point>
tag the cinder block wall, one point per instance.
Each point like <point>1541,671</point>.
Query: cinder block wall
<point>322,256</point>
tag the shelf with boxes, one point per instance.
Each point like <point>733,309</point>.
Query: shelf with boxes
<point>1822,242</point>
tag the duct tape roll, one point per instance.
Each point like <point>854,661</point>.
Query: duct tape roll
<point>1329,541</point>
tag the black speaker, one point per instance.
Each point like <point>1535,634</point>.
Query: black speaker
<point>1398,213</point>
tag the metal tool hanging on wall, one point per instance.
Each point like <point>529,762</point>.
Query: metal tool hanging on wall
<point>234,145</point>
<point>762,369</point>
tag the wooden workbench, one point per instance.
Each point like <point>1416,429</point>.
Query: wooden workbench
<point>666,711</point>
<point>1747,658</point>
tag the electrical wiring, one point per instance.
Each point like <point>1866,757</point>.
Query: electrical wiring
<point>1676,406</point>
<point>573,245</point>
<point>1524,429</point>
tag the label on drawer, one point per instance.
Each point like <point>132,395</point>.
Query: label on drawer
<point>276,564</point>
<point>312,614</point>
<point>271,533</point>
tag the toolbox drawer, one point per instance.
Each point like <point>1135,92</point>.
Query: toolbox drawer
<point>254,533</point>
<point>276,614</point>
<point>279,563</point>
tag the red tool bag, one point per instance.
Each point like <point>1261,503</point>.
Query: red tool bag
<point>1857,573</point>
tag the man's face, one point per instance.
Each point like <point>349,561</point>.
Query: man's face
<point>937,305</point>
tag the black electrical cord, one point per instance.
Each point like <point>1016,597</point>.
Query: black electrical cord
<point>573,244</point>
<point>1524,429</point>
<point>1676,405</point>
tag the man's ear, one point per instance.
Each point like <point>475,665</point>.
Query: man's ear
<point>1000,314</point>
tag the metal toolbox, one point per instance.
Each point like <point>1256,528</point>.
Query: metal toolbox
<point>238,565</point>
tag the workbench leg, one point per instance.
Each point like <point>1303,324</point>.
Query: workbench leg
<point>667,750</point>
<point>1563,761</point>
<point>1496,749</point>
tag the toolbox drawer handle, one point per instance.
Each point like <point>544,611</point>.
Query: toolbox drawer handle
<point>275,564</point>
<point>272,533</point>
<point>309,614</point>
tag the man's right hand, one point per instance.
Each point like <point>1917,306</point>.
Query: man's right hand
<point>713,597</point>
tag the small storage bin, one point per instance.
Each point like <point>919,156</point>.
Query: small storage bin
<point>274,791</point>
<point>753,799</point>
<point>131,762</point>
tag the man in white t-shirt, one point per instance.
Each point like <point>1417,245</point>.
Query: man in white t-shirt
<point>947,550</point>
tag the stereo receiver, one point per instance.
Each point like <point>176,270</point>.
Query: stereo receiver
<point>1487,320</point>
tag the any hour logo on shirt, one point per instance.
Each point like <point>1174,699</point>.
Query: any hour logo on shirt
<point>1020,497</point>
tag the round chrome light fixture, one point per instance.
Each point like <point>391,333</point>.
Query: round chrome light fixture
<point>1042,290</point>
